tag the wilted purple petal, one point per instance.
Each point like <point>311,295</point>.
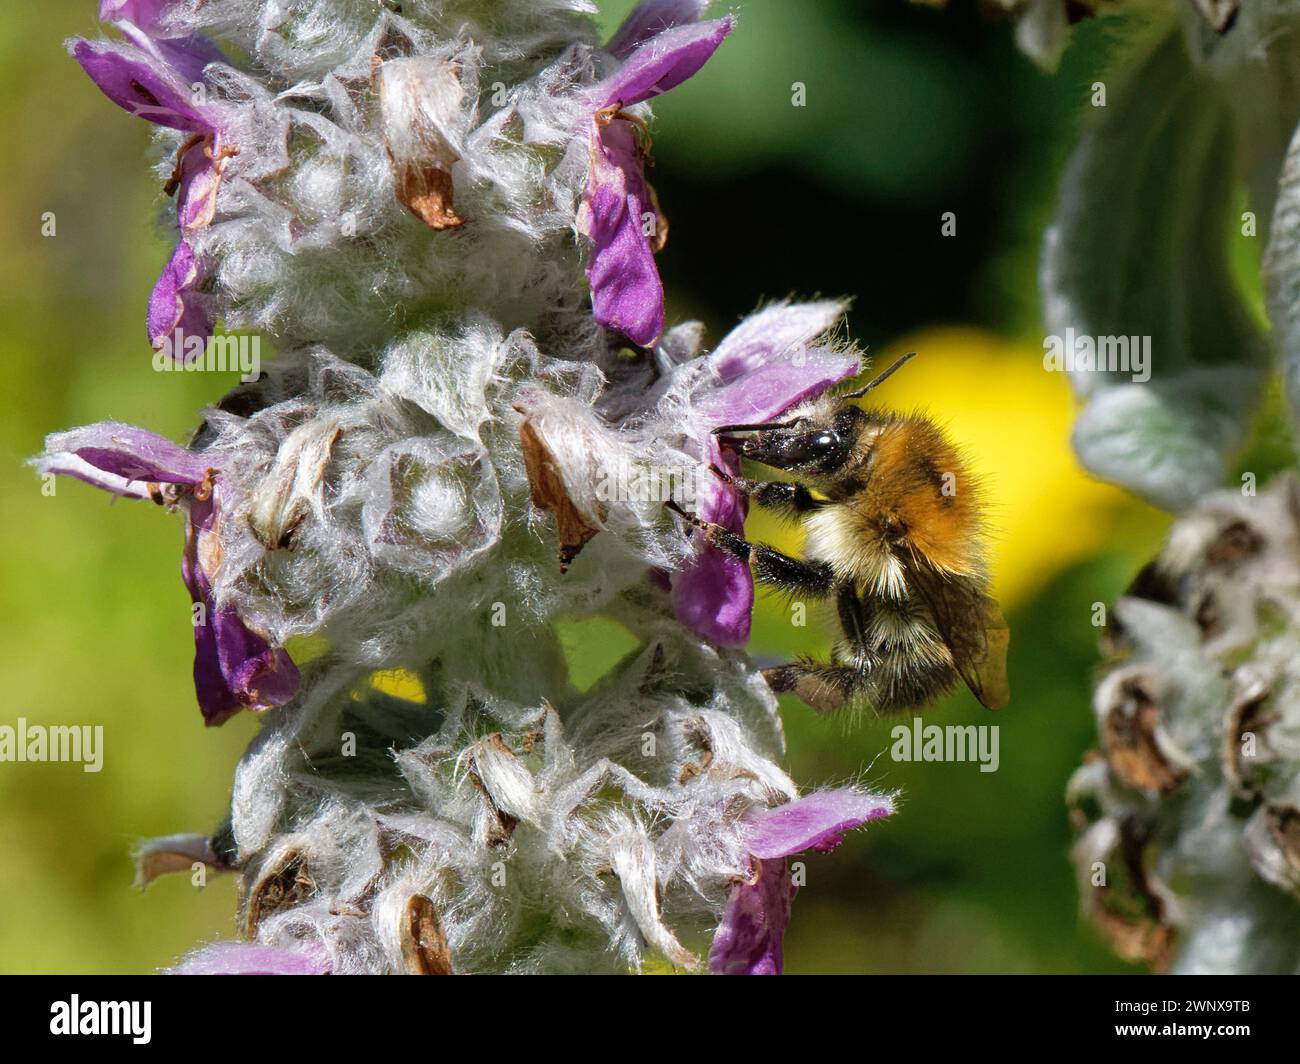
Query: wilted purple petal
<point>131,453</point>
<point>200,177</point>
<point>817,821</point>
<point>176,309</point>
<point>252,958</point>
<point>145,84</point>
<point>662,62</point>
<point>749,941</point>
<point>626,293</point>
<point>649,18</point>
<point>234,667</point>
<point>257,674</point>
<point>175,853</point>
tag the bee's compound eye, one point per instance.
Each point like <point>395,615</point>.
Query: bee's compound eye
<point>823,441</point>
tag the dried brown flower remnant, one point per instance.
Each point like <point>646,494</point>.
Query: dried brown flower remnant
<point>1130,711</point>
<point>420,99</point>
<point>283,883</point>
<point>546,486</point>
<point>1123,899</point>
<point>424,944</point>
<point>1273,839</point>
<point>1248,719</point>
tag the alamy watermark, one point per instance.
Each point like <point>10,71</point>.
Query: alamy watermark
<point>919,741</point>
<point>179,353</point>
<point>77,1017</point>
<point>77,743</point>
<point>1098,354</point>
<point>647,484</point>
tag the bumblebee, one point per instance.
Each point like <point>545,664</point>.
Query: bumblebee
<point>895,538</point>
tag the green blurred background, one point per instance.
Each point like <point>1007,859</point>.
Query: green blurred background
<point>909,113</point>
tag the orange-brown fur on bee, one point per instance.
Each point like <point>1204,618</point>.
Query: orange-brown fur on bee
<point>895,538</point>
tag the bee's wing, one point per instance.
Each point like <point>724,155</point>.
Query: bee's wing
<point>973,628</point>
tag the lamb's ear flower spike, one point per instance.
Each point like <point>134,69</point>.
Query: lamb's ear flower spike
<point>760,370</point>
<point>442,414</point>
<point>252,958</point>
<point>234,667</point>
<point>750,938</point>
<point>618,211</point>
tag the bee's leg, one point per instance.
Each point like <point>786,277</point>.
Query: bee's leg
<point>769,565</point>
<point>791,499</point>
<point>911,684</point>
<point>825,688</point>
<point>792,575</point>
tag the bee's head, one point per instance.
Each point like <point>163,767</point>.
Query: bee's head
<point>826,438</point>
<point>816,440</point>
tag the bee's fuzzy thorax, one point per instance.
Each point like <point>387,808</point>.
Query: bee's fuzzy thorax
<point>905,482</point>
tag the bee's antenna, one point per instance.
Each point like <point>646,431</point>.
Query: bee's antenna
<point>880,379</point>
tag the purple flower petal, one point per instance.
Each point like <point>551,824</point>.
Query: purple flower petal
<point>662,62</point>
<point>777,333</point>
<point>132,454</point>
<point>69,465</point>
<point>767,392</point>
<point>185,56</point>
<point>147,14</point>
<point>159,79</point>
<point>626,294</point>
<point>648,19</point>
<point>148,85</point>
<point>252,958</point>
<point>715,597</point>
<point>176,309</point>
<point>817,821</point>
<point>234,667</point>
<point>749,941</point>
